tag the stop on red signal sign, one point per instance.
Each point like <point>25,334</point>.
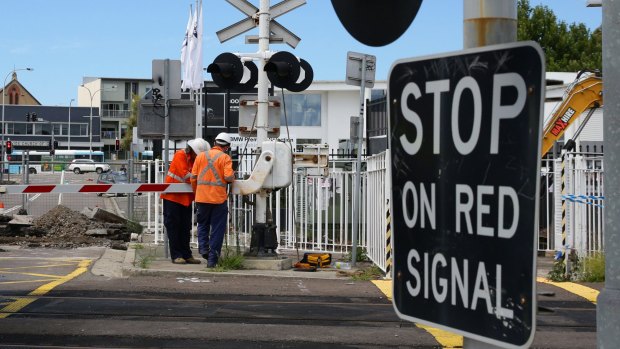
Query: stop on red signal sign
<point>465,133</point>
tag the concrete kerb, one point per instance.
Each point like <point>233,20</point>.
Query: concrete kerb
<point>131,263</point>
<point>149,260</point>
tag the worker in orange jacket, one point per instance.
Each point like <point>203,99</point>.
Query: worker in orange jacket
<point>178,206</point>
<point>211,174</point>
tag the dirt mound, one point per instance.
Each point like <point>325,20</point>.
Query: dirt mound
<point>63,227</point>
<point>62,222</point>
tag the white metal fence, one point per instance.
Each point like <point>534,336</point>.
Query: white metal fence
<point>315,213</point>
<point>582,203</point>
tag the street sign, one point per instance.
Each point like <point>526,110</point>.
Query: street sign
<point>465,133</point>
<point>279,34</point>
<point>174,74</point>
<point>354,69</point>
<point>151,121</point>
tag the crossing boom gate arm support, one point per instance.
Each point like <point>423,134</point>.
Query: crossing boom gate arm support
<point>258,176</point>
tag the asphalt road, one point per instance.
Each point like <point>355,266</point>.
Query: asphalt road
<point>49,299</point>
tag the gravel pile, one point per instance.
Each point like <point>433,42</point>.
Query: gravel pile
<point>65,228</point>
<point>62,222</point>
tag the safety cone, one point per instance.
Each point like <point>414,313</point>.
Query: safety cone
<point>1,207</point>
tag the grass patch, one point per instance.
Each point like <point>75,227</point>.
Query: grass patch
<point>144,258</point>
<point>144,262</point>
<point>361,256</point>
<point>558,272</point>
<point>593,268</point>
<point>371,273</point>
<point>585,269</point>
<point>229,260</point>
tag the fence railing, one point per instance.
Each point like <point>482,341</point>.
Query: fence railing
<point>581,203</point>
<point>315,213</point>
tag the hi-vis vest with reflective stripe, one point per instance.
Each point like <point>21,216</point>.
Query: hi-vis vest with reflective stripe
<point>212,171</point>
<point>179,172</point>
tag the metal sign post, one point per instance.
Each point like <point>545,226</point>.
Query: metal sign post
<point>465,134</point>
<point>360,72</point>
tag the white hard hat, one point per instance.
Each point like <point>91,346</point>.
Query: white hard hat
<point>199,145</point>
<point>223,139</point>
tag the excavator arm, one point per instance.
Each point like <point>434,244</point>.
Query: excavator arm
<point>584,93</point>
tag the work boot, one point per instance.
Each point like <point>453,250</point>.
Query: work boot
<point>211,263</point>
<point>179,261</point>
<point>192,260</point>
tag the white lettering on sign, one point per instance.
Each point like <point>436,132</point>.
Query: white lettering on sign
<point>464,144</point>
<point>421,202</point>
<point>465,203</point>
<point>424,205</point>
<point>459,288</point>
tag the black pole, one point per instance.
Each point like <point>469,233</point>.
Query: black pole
<point>227,111</point>
<point>205,115</point>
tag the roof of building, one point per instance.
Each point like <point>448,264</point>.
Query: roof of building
<point>14,81</point>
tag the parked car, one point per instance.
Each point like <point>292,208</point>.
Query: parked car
<point>114,177</point>
<point>78,166</point>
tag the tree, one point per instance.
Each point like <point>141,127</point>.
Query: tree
<point>567,47</point>
<point>131,122</point>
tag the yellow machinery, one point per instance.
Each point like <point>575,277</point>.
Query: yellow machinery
<point>586,92</point>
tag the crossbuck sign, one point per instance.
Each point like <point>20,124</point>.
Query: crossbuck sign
<point>465,135</point>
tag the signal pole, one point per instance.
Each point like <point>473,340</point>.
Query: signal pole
<point>262,108</point>
<point>607,317</point>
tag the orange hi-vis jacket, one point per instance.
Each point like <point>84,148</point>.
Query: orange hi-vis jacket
<point>180,171</point>
<point>211,173</point>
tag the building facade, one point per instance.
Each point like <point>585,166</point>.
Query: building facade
<point>319,115</point>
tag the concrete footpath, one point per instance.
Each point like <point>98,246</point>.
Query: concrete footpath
<point>149,259</point>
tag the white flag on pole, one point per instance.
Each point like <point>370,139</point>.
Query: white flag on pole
<point>185,52</point>
<point>195,50</point>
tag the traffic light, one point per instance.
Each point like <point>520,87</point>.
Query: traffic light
<point>50,145</point>
<point>226,70</point>
<point>31,117</point>
<point>55,144</point>
<point>117,145</point>
<point>9,147</point>
<point>284,70</point>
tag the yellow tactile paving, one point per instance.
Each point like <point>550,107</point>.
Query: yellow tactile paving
<point>56,280</point>
<point>446,339</point>
<point>583,291</point>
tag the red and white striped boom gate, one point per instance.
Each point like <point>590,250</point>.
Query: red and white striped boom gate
<point>96,188</point>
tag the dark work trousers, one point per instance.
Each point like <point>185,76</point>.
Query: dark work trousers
<point>211,217</point>
<point>178,222</point>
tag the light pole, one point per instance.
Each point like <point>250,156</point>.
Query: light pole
<point>4,127</point>
<point>69,128</point>
<point>90,138</point>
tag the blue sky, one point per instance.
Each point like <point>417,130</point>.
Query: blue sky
<point>65,40</point>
